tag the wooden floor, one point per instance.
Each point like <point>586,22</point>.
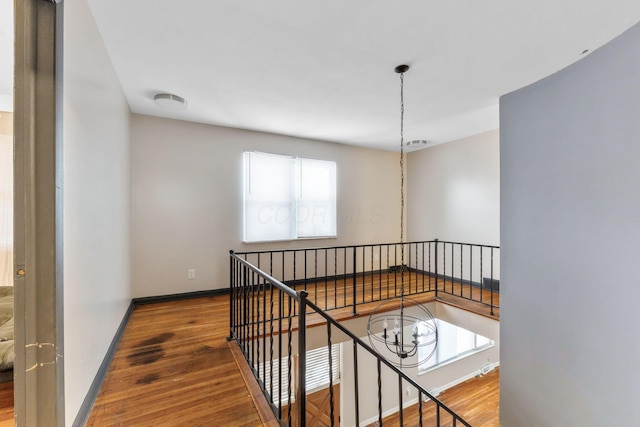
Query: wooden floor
<point>476,401</point>
<point>374,287</point>
<point>6,404</point>
<point>337,296</point>
<point>174,367</point>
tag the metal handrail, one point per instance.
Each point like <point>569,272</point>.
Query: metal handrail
<point>240,336</point>
<point>388,364</point>
<point>275,282</point>
<point>248,326</point>
<point>438,266</point>
<point>310,248</point>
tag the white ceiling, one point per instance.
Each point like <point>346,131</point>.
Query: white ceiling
<point>324,69</point>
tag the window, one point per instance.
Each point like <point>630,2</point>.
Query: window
<point>317,373</point>
<point>287,198</point>
<point>454,343</point>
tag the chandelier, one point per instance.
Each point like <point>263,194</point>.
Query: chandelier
<point>413,336</point>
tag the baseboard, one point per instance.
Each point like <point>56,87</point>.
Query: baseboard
<point>177,297</point>
<point>6,376</point>
<point>482,371</point>
<point>85,409</point>
<point>320,279</point>
<point>485,284</point>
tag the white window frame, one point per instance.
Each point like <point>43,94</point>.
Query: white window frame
<point>269,211</point>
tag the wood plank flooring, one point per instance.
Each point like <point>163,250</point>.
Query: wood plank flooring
<point>334,293</point>
<point>174,367</point>
<point>375,287</point>
<point>476,401</point>
<point>337,296</point>
<point>6,404</point>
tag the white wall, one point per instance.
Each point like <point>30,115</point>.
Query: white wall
<point>96,205</point>
<point>6,196</point>
<point>187,199</point>
<point>453,191</point>
<point>570,152</point>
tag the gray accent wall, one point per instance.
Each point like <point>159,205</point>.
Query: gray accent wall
<point>570,235</point>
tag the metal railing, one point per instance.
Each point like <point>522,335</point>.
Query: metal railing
<point>468,271</point>
<point>268,316</point>
<point>262,322</point>
<point>347,276</point>
<point>441,414</point>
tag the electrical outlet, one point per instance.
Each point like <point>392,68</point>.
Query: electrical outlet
<point>191,273</point>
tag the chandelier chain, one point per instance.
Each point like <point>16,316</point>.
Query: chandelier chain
<point>396,339</point>
<point>402,183</point>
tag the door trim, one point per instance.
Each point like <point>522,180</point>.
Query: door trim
<point>38,367</point>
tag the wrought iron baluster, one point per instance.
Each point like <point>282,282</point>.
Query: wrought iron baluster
<point>245,312</point>
<point>315,272</point>
<point>289,361</point>
<point>353,283</point>
<point>444,267</point>
<point>305,272</point>
<point>253,323</point>
<point>388,278</point>
<point>344,278</point>
<point>481,275</point>
<point>331,397</point>
<point>380,272</point>
<point>379,393</point>
<point>461,269</point>
<point>420,409</point>
<point>373,298</point>
<point>355,381</point>
<point>452,268</point>
<point>280,317</point>
<point>256,321</point>
<point>335,278</point>
<point>295,265</point>
<point>471,272</point>
<point>231,294</point>
<point>301,395</point>
<point>326,278</point>
<point>271,302</point>
<point>423,269</point>
<point>395,270</point>
<point>491,282</point>
<point>400,401</point>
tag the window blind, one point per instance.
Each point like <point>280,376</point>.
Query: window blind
<point>288,198</point>
<point>317,373</point>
